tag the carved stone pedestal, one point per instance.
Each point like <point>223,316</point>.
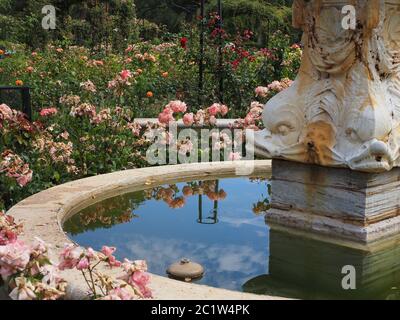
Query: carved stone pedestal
<point>343,109</point>
<point>338,202</point>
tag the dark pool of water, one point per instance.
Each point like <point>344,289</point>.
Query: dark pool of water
<point>221,225</point>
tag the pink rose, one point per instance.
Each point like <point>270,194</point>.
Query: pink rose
<point>188,119</point>
<point>256,112</point>
<point>133,266</point>
<point>83,264</point>
<point>199,117</point>
<point>234,156</point>
<point>213,196</point>
<point>125,74</point>
<point>48,112</point>
<point>212,120</point>
<point>262,92</point>
<point>166,116</point>
<point>249,119</point>
<point>108,252</point>
<point>24,179</point>
<point>177,106</point>
<point>224,110</point>
<point>7,237</point>
<point>91,254</point>
<point>14,257</point>
<point>222,195</point>
<point>140,280</point>
<point>119,294</point>
<point>276,86</point>
<point>5,112</point>
<point>214,109</point>
<point>24,290</point>
<point>70,257</point>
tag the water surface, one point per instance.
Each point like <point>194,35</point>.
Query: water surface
<point>215,223</point>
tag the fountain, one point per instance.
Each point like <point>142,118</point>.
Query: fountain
<point>334,139</point>
<point>334,134</point>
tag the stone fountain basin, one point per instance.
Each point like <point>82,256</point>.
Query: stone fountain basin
<point>44,214</point>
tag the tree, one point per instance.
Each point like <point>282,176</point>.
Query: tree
<point>263,17</point>
<point>92,23</point>
<point>170,13</point>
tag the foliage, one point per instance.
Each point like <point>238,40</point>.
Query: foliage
<point>85,101</point>
<point>242,66</point>
<point>166,70</point>
<point>172,14</point>
<point>96,24</point>
<point>85,104</point>
<point>264,17</point>
<point>61,147</point>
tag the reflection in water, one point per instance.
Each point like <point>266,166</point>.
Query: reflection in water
<point>221,225</point>
<point>205,221</point>
<point>105,214</point>
<point>310,269</point>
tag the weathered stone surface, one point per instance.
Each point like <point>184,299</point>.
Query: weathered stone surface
<point>185,270</point>
<point>334,201</point>
<point>343,110</point>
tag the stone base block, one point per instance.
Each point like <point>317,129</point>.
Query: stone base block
<point>342,203</point>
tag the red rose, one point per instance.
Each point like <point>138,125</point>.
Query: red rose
<point>184,41</point>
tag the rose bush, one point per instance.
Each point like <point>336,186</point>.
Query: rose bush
<point>30,274</point>
<point>79,139</point>
<point>84,103</point>
<point>148,75</point>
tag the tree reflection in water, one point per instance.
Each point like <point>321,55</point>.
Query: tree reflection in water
<point>120,209</point>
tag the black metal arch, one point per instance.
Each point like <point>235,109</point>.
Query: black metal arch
<point>25,98</point>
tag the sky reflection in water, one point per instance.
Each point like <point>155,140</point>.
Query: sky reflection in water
<point>164,227</point>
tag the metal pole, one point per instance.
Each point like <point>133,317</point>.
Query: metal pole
<point>26,102</point>
<point>220,55</point>
<point>200,220</point>
<point>25,98</point>
<point>201,58</point>
<point>215,217</point>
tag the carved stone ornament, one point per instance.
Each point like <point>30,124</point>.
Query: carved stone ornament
<point>343,110</point>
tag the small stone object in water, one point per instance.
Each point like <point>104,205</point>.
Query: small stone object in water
<point>185,270</point>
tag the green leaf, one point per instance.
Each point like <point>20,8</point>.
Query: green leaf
<point>56,176</point>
